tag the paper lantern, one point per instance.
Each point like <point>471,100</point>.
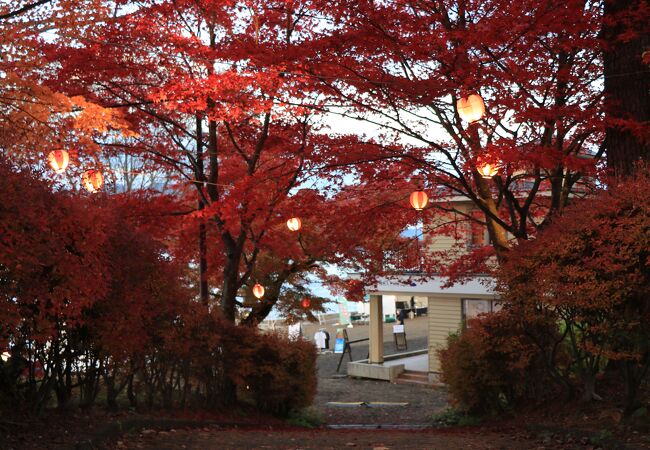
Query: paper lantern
<point>59,160</point>
<point>471,108</point>
<point>258,290</point>
<point>294,224</point>
<point>305,303</point>
<point>419,200</point>
<point>488,170</point>
<point>92,180</point>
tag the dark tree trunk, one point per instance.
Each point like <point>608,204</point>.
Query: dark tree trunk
<point>589,386</point>
<point>627,86</point>
<point>260,311</point>
<point>633,376</point>
<point>228,395</point>
<point>203,248</point>
<point>203,261</point>
<point>111,393</point>
<point>130,392</point>
<point>230,287</point>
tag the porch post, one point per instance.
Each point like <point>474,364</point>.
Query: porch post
<point>376,330</point>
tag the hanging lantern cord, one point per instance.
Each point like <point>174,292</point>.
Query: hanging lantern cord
<point>417,243</point>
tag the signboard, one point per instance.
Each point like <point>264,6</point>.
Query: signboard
<point>344,313</point>
<point>339,343</point>
<point>400,337</point>
<point>295,331</point>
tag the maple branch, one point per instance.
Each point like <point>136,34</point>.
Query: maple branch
<point>24,9</point>
<point>260,143</point>
<point>235,144</point>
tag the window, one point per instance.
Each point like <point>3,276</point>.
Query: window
<point>472,308</point>
<point>477,236</point>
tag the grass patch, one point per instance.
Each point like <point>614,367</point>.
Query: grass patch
<point>305,418</point>
<point>451,417</point>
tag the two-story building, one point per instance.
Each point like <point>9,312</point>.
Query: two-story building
<point>447,308</point>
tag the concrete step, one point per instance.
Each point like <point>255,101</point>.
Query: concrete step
<point>412,382</point>
<point>412,374</point>
<point>413,377</point>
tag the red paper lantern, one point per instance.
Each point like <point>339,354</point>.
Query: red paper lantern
<point>471,108</point>
<point>305,303</point>
<point>59,160</point>
<point>488,170</point>
<point>258,290</point>
<point>419,200</point>
<point>92,180</point>
<point>294,224</point>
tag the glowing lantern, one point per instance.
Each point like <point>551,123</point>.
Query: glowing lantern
<point>5,356</point>
<point>294,224</point>
<point>59,160</point>
<point>258,290</point>
<point>488,170</point>
<point>471,108</point>
<point>419,200</point>
<point>305,303</point>
<point>92,180</point>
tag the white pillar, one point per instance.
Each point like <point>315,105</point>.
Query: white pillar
<point>376,330</point>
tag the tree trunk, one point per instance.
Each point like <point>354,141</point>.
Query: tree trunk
<point>498,234</point>
<point>627,87</point>
<point>230,287</point>
<point>203,248</point>
<point>260,311</point>
<point>111,393</point>
<point>263,308</point>
<point>632,382</point>
<point>228,308</point>
<point>589,386</point>
<point>130,392</point>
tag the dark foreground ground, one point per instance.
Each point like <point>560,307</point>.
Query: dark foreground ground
<point>568,429</point>
<point>584,432</point>
<point>331,439</point>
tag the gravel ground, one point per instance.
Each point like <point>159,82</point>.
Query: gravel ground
<point>422,402</point>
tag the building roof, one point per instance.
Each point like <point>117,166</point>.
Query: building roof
<point>476,287</point>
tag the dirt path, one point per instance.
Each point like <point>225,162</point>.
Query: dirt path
<point>421,402</point>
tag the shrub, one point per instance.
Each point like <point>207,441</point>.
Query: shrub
<point>453,417</point>
<point>491,366</point>
<point>590,269</point>
<point>282,377</point>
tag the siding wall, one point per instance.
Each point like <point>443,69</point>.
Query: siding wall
<point>439,242</point>
<point>444,316</point>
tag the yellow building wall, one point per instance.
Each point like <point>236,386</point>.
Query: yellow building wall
<point>439,242</point>
<point>444,317</point>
